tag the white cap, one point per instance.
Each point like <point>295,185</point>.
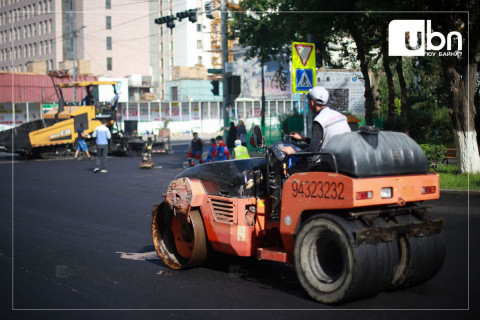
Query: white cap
<point>238,142</point>
<point>319,95</point>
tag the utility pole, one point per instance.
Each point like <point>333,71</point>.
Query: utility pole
<point>72,49</point>
<point>74,64</point>
<point>262,65</point>
<point>75,59</point>
<point>224,15</point>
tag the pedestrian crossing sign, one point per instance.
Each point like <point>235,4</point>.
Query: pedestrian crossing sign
<point>304,79</point>
<point>304,67</point>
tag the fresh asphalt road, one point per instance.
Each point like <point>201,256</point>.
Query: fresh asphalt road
<point>81,249</point>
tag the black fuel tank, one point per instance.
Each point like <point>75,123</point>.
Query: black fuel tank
<point>370,153</point>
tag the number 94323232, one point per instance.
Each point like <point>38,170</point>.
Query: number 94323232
<point>318,189</point>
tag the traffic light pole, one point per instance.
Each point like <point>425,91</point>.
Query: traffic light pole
<point>224,14</point>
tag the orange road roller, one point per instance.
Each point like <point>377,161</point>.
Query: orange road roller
<point>353,225</point>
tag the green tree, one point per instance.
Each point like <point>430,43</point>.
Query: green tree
<point>459,73</point>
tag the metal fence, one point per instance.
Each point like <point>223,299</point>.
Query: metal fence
<point>180,117</point>
<point>188,111</point>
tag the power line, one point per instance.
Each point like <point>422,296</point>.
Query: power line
<point>91,58</point>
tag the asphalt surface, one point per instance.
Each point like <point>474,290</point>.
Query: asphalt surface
<point>81,249</point>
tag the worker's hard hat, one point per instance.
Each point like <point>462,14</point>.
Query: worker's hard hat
<point>319,95</point>
<point>238,142</point>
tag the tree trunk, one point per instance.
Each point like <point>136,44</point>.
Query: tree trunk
<point>391,88</point>
<point>403,94</point>
<point>375,83</point>
<point>462,108</point>
<point>369,101</point>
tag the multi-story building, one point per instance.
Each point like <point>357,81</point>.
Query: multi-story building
<point>188,44</point>
<point>28,31</point>
<point>118,38</point>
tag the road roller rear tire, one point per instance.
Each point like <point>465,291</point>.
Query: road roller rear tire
<point>179,243</point>
<point>421,257</point>
<point>332,268</point>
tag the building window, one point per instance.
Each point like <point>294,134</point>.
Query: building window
<point>109,43</point>
<point>109,64</point>
<point>199,60</point>
<point>199,44</point>
<point>109,22</point>
<point>174,93</point>
<point>199,27</point>
<point>108,4</point>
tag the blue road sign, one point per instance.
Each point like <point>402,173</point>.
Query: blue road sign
<point>304,78</point>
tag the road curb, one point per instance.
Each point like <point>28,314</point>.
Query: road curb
<point>461,192</point>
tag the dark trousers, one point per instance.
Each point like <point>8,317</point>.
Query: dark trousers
<point>102,151</point>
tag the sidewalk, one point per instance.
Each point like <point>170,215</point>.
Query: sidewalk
<point>473,193</point>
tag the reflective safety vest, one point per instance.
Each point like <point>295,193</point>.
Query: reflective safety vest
<point>241,152</point>
<point>333,123</point>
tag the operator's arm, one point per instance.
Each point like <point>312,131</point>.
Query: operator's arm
<point>315,142</point>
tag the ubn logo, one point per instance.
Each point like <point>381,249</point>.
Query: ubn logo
<point>407,38</point>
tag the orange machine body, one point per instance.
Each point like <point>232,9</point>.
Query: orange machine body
<point>240,226</point>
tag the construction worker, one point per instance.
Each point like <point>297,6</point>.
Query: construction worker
<point>222,150</point>
<point>326,124</point>
<point>212,152</point>
<point>240,152</point>
<point>195,150</point>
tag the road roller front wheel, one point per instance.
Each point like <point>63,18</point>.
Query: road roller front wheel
<point>179,243</point>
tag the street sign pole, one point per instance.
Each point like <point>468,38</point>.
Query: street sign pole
<point>304,73</point>
<point>223,8</point>
<point>305,110</point>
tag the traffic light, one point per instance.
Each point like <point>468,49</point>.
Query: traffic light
<point>216,87</point>
<point>208,10</point>
<point>234,87</point>
<point>192,15</point>
<point>160,20</point>
<point>170,23</point>
<point>181,15</point>
<point>168,20</point>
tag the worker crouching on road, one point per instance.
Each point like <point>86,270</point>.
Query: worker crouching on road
<point>195,150</point>
<point>212,152</point>
<point>240,152</point>
<point>222,150</point>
